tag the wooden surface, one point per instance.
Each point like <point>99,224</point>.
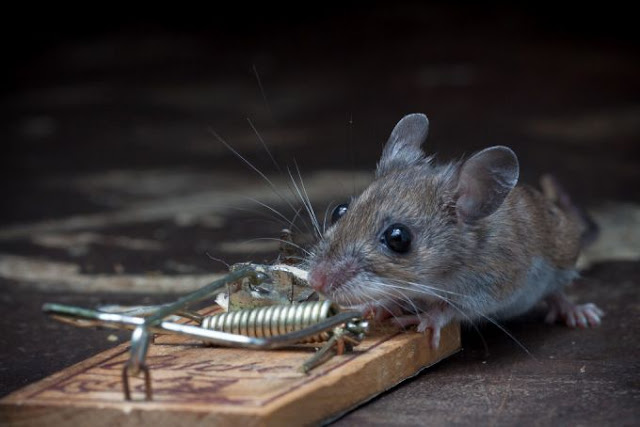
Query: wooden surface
<point>194,385</point>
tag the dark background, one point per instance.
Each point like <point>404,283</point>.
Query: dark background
<point>478,71</point>
<point>92,90</point>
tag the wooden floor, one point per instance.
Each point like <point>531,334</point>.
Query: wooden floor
<point>116,186</point>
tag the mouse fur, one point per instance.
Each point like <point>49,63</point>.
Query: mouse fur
<point>481,246</point>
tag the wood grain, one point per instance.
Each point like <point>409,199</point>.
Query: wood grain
<point>195,385</point>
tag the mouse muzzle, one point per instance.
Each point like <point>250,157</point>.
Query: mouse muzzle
<point>327,277</point>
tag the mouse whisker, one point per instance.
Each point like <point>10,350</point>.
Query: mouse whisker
<point>256,170</point>
<point>267,215</point>
<point>307,206</point>
<point>274,162</point>
<point>383,305</point>
<point>428,290</point>
<point>480,314</point>
<point>297,215</point>
<point>376,303</point>
<point>424,286</point>
<point>288,222</point>
<point>264,145</point>
<point>287,242</point>
<point>398,293</point>
<point>324,220</point>
<point>507,333</point>
<point>455,307</point>
<point>314,217</point>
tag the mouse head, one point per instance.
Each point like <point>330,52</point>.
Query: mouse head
<point>409,229</point>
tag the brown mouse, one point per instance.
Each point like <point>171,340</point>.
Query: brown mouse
<point>427,243</point>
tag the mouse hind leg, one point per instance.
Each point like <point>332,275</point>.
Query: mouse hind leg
<point>560,307</point>
<point>573,315</point>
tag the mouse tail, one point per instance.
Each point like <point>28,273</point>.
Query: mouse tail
<point>554,192</point>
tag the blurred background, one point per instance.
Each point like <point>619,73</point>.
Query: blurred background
<point>116,183</point>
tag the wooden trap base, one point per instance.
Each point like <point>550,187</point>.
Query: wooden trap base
<point>196,386</point>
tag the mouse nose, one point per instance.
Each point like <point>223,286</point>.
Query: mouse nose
<point>318,279</point>
<point>327,276</point>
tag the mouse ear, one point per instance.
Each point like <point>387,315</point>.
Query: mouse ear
<point>403,147</point>
<point>484,182</point>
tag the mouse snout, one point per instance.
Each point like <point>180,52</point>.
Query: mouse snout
<point>327,276</point>
<point>318,279</point>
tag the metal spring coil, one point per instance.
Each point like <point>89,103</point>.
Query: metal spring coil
<point>265,322</point>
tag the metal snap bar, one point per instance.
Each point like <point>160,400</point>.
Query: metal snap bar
<point>337,328</point>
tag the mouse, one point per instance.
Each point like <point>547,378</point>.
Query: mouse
<point>427,243</point>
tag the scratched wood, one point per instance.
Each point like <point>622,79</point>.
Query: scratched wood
<point>195,385</point>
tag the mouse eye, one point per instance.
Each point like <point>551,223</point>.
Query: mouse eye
<point>397,238</point>
<point>338,212</point>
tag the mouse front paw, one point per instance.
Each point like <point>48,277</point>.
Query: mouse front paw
<point>573,315</point>
<point>434,320</point>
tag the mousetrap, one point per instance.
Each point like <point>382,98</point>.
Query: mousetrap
<point>261,371</point>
